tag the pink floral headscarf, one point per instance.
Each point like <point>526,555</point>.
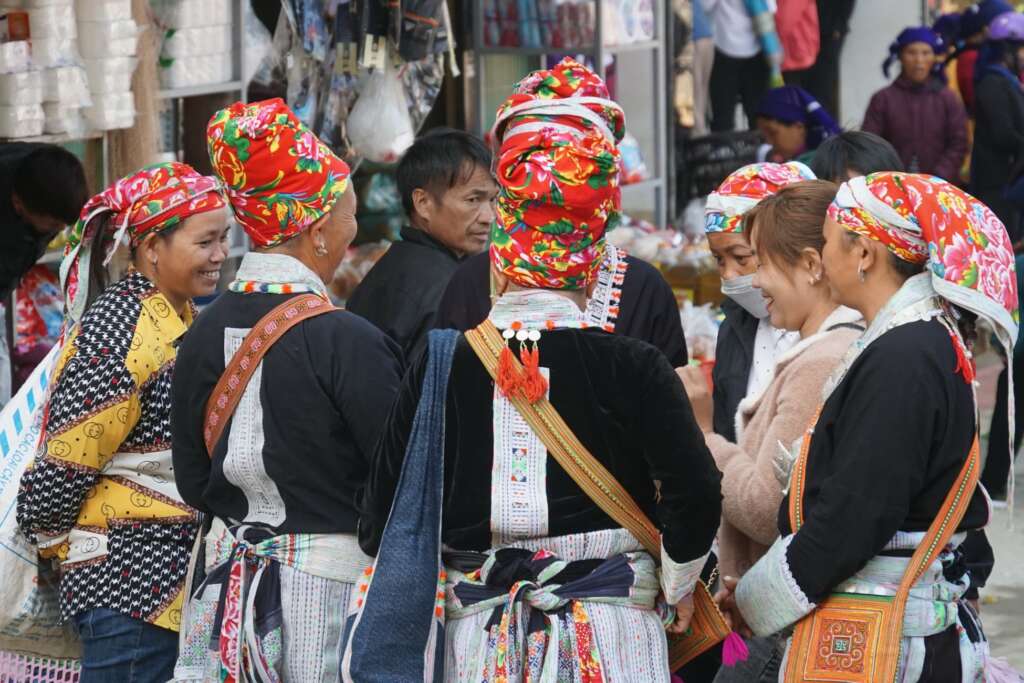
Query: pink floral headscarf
<point>924,219</point>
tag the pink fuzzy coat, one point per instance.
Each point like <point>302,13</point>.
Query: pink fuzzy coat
<point>779,415</point>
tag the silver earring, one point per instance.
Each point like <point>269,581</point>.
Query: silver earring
<point>861,274</point>
<point>321,250</point>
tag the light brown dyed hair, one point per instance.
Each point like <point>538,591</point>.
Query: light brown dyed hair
<point>791,220</point>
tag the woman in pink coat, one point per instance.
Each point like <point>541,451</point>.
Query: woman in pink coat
<point>787,240</point>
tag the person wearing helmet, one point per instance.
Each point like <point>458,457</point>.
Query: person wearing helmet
<point>998,157</point>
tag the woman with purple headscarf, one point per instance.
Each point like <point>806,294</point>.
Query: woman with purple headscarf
<point>793,124</point>
<point>922,118</point>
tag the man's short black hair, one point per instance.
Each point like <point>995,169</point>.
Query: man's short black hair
<point>857,151</point>
<point>438,161</point>
<point>51,181</point>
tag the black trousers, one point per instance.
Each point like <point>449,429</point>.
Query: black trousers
<point>997,463</point>
<point>735,80</point>
<point>821,79</point>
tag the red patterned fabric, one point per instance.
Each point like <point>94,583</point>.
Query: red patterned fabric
<point>153,199</point>
<point>744,188</point>
<point>924,219</point>
<point>279,176</point>
<point>558,172</point>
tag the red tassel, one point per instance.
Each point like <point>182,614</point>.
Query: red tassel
<point>734,650</point>
<point>964,365</point>
<point>509,379</point>
<point>535,387</point>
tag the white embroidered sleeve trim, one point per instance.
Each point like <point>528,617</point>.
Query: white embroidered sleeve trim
<point>678,579</point>
<point>768,595</point>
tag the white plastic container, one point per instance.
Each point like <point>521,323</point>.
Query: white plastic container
<point>98,40</point>
<point>53,21</point>
<point>110,75</point>
<point>67,85</point>
<point>112,111</point>
<point>188,13</point>
<point>63,118</point>
<point>49,53</point>
<point>103,10</point>
<point>197,41</point>
<point>25,87</point>
<point>14,56</point>
<point>33,4</point>
<point>21,121</point>
<point>202,70</point>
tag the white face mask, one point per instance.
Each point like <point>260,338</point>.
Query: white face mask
<point>742,291</point>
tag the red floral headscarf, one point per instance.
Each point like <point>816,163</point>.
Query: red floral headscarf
<point>151,200</point>
<point>558,172</point>
<point>744,188</point>
<point>279,176</point>
<point>924,219</point>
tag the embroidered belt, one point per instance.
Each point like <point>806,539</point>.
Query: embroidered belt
<point>555,592</point>
<point>248,573</point>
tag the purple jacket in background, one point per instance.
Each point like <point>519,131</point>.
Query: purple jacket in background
<point>926,124</point>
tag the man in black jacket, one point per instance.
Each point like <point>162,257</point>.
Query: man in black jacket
<point>42,189</point>
<point>448,192</point>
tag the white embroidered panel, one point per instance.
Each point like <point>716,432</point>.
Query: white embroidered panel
<point>519,502</point>
<point>603,306</point>
<point>243,465</point>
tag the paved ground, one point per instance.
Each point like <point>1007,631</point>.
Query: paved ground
<point>1002,608</point>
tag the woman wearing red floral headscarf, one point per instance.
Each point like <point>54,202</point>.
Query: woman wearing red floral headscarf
<point>101,498</point>
<point>280,481</point>
<point>545,584</point>
<point>890,466</point>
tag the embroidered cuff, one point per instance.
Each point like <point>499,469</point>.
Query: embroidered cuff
<point>768,595</point>
<point>679,578</point>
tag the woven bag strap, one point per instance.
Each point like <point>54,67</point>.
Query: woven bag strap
<point>231,386</point>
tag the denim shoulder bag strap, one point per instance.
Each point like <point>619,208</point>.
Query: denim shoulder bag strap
<point>383,644</point>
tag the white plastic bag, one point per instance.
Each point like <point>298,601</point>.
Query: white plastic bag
<point>29,609</point>
<point>379,126</point>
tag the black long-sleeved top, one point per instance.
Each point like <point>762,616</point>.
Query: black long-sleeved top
<point>647,307</point>
<point>890,441</point>
<point>624,402</point>
<point>998,152</point>
<point>401,293</point>
<point>734,354</point>
<point>325,389</point>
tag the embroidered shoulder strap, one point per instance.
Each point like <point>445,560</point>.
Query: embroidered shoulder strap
<point>271,327</point>
<point>942,527</point>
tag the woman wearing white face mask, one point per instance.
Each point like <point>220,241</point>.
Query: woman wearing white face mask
<point>747,341</point>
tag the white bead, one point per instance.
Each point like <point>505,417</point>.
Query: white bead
<point>522,335</point>
<point>508,334</point>
<point>534,335</point>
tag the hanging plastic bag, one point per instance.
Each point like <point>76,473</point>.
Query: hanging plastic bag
<point>29,610</point>
<point>379,126</point>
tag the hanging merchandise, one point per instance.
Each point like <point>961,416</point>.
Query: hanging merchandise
<point>423,31</point>
<point>343,68</point>
<point>379,126</point>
